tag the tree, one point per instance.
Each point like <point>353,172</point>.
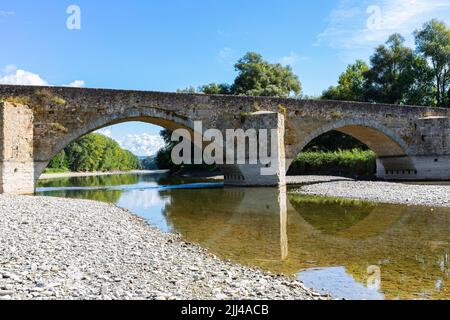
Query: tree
<point>149,163</point>
<point>391,74</point>
<point>59,161</point>
<point>95,152</point>
<point>351,84</point>
<point>433,41</point>
<point>215,88</point>
<point>257,77</point>
<point>421,91</point>
<point>190,89</point>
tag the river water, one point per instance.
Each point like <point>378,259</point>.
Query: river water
<point>349,248</point>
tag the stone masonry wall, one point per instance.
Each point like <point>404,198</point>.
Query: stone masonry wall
<point>16,148</point>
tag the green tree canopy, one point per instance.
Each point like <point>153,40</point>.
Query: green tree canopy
<point>257,77</point>
<point>216,88</point>
<point>351,84</point>
<point>94,152</point>
<point>433,41</point>
<point>391,74</point>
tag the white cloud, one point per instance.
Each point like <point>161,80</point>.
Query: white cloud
<point>291,60</point>
<point>142,144</point>
<point>21,77</point>
<point>349,23</point>
<point>4,13</point>
<point>13,75</point>
<point>226,55</point>
<point>222,33</point>
<point>106,132</point>
<point>76,84</point>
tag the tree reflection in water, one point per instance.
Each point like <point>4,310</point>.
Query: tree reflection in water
<point>321,240</point>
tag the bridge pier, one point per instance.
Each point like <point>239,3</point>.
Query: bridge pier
<point>17,168</point>
<point>414,168</point>
<point>261,174</point>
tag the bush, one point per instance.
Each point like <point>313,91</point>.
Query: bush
<point>353,163</point>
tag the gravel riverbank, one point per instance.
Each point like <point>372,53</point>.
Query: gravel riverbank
<point>54,248</point>
<point>385,192</point>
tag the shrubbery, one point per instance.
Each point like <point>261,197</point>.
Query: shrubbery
<point>354,163</point>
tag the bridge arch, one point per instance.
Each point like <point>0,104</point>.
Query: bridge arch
<point>154,116</point>
<point>393,154</point>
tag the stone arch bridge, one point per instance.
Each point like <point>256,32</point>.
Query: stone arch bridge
<point>411,143</point>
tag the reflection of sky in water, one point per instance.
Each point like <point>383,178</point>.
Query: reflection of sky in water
<point>148,204</point>
<point>337,282</point>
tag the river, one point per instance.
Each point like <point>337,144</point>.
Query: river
<point>348,248</point>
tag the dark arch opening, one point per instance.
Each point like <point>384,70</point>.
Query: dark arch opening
<point>353,150</point>
<point>335,153</point>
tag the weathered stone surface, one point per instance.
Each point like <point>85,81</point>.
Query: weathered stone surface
<point>406,139</point>
<point>16,149</point>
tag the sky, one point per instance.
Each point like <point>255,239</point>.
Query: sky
<point>171,44</point>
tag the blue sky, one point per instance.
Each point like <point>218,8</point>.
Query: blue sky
<point>166,45</point>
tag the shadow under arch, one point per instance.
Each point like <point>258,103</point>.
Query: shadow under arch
<point>391,150</point>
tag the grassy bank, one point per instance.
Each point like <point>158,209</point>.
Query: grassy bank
<point>349,163</point>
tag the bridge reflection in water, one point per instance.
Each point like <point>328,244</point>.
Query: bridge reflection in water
<point>350,248</point>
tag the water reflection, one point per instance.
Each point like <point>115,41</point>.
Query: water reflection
<point>339,283</point>
<point>352,249</point>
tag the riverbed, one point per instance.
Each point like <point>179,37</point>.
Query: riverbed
<point>422,193</point>
<point>54,248</point>
<point>352,249</point>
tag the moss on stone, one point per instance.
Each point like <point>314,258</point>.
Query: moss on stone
<point>24,100</point>
<point>58,127</point>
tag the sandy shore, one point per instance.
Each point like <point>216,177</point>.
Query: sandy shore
<point>379,191</point>
<point>54,248</point>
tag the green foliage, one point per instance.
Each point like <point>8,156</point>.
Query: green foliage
<point>433,41</point>
<point>59,170</point>
<point>149,163</point>
<point>257,77</point>
<point>400,75</point>
<point>216,88</point>
<point>94,152</point>
<point>391,74</point>
<point>190,89</point>
<point>341,162</point>
<point>350,85</point>
<point>59,162</point>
